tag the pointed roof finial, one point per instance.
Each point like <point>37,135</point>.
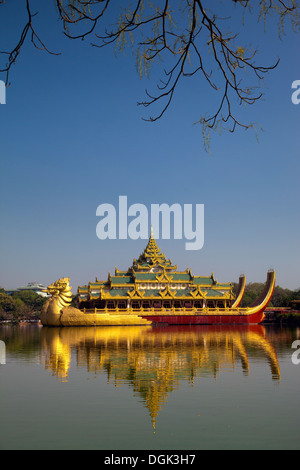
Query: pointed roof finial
<point>152,234</point>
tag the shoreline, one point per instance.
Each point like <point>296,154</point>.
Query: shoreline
<point>292,318</point>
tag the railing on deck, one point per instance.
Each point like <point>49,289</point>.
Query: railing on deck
<point>169,311</point>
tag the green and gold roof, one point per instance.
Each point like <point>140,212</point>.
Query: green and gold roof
<point>153,276</point>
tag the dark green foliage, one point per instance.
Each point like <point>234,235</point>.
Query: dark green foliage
<point>30,298</point>
<point>20,305</point>
<point>281,297</point>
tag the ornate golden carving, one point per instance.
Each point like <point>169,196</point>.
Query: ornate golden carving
<point>61,292</point>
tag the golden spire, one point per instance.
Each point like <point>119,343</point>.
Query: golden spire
<point>152,256</point>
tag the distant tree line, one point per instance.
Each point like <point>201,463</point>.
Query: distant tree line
<point>21,305</point>
<point>281,297</point>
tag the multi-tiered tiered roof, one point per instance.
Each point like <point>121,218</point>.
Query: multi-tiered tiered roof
<point>153,281</point>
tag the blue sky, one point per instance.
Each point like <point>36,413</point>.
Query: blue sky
<point>72,138</point>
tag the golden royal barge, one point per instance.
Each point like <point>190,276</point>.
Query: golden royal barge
<point>152,291</point>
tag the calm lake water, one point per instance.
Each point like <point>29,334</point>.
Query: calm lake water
<point>121,388</point>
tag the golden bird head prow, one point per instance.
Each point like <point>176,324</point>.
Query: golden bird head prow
<point>61,291</point>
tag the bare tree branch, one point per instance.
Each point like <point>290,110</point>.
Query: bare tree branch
<point>183,35</point>
<point>35,39</point>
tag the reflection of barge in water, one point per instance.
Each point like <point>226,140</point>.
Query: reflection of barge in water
<point>152,291</point>
<point>154,361</point>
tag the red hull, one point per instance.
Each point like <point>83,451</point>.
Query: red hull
<point>254,318</point>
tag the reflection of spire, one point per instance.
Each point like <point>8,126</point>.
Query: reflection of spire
<point>153,405</point>
<point>157,395</point>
